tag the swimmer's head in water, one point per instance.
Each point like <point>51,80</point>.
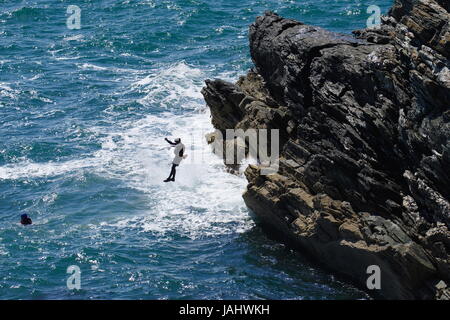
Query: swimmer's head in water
<point>24,219</point>
<point>177,140</point>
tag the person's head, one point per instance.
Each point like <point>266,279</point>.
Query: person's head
<point>177,140</point>
<point>24,219</point>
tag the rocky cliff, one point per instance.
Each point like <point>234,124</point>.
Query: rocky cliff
<point>364,175</point>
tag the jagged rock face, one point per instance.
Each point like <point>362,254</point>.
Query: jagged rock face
<point>364,173</point>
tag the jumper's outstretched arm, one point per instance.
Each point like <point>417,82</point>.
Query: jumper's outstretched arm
<point>170,142</point>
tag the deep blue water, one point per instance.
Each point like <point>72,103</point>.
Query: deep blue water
<point>83,114</point>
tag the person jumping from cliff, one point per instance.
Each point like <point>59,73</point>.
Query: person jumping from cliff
<point>179,155</point>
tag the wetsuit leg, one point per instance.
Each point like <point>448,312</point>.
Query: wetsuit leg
<point>173,171</point>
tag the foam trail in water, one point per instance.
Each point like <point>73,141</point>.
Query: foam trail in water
<point>177,86</point>
<point>205,200</point>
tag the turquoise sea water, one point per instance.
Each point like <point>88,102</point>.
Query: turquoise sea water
<point>83,114</point>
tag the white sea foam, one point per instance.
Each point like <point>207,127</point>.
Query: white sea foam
<point>78,37</point>
<point>121,72</point>
<point>35,77</point>
<point>29,170</point>
<point>176,85</point>
<point>89,66</point>
<point>66,58</point>
<point>204,201</point>
<point>7,91</point>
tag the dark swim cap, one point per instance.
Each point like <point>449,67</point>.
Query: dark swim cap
<point>24,216</point>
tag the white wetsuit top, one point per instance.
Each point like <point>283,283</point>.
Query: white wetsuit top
<point>177,150</point>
